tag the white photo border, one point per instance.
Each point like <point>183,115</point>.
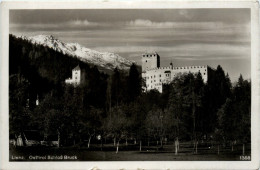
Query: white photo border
<point>4,84</point>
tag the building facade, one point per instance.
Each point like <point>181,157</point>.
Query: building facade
<point>155,76</point>
<point>76,77</point>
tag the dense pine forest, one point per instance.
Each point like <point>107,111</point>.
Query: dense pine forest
<point>115,107</point>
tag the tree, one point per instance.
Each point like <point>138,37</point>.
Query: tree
<point>73,108</point>
<point>242,101</point>
<point>91,123</point>
<point>134,83</point>
<point>176,106</point>
<point>20,114</point>
<point>95,88</point>
<point>116,87</point>
<point>185,104</point>
<point>50,118</point>
<point>227,125</point>
<point>109,96</point>
<point>192,98</point>
<point>234,115</point>
<point>216,91</point>
<point>116,125</point>
<point>155,124</point>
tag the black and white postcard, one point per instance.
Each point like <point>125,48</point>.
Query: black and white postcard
<point>112,85</point>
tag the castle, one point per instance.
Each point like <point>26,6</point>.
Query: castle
<point>76,77</point>
<point>155,76</point>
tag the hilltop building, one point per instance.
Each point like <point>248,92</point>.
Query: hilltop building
<point>155,76</point>
<point>76,77</point>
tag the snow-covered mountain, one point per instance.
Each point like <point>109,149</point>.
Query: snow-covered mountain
<point>103,59</point>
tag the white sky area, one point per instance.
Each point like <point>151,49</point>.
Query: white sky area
<point>184,36</point>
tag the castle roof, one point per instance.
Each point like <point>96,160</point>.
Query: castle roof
<point>76,68</point>
<point>150,53</point>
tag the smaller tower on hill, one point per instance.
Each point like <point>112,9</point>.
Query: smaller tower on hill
<point>76,77</point>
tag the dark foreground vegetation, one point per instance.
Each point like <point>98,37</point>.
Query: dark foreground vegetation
<point>115,109</point>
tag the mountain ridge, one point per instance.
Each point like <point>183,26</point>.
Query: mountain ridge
<point>106,60</point>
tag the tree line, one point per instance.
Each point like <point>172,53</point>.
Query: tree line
<point>115,107</point>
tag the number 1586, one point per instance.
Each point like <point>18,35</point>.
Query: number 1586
<point>245,158</point>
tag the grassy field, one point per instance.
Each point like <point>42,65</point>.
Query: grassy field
<point>127,153</point>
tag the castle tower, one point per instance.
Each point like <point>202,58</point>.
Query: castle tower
<point>76,77</point>
<point>150,60</point>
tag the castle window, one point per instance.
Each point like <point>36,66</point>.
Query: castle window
<point>145,60</point>
<point>75,77</point>
<point>160,80</point>
<point>204,73</point>
<point>154,76</point>
<point>160,75</point>
<point>205,70</point>
<point>76,72</point>
<point>151,81</point>
<point>154,80</point>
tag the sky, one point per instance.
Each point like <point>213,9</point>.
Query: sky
<point>186,37</point>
